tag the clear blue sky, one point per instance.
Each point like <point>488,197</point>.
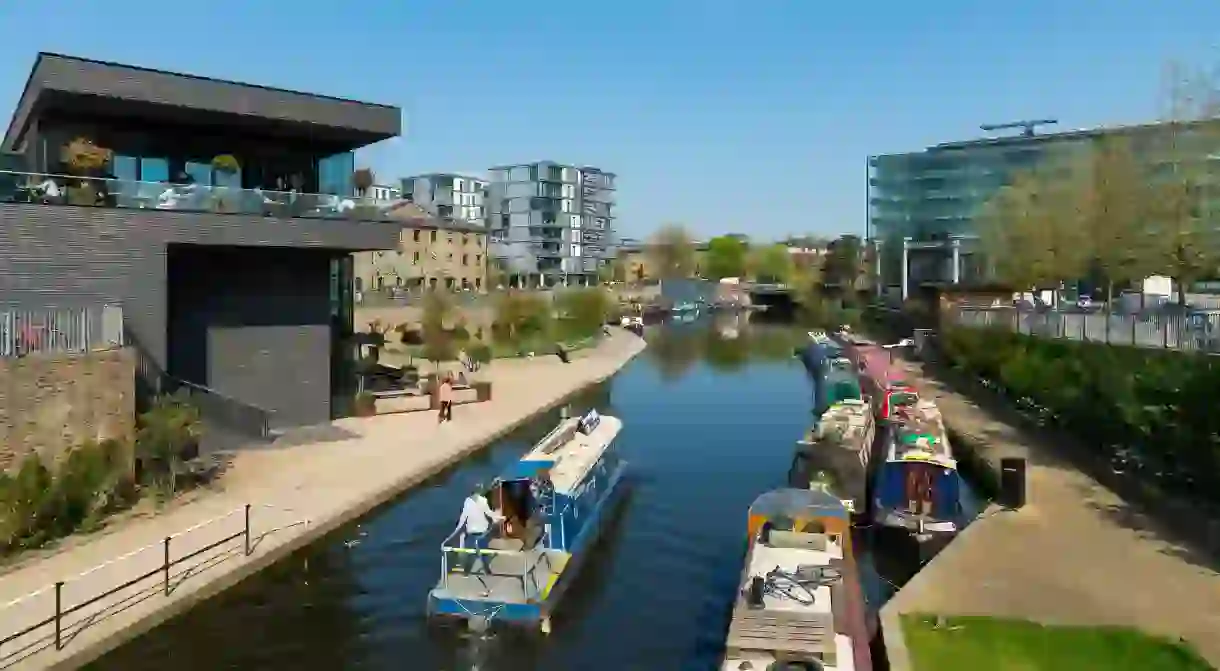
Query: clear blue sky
<point>726,115</point>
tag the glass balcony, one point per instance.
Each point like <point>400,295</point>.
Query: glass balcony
<point>21,187</point>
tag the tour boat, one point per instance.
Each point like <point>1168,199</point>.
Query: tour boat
<point>834,453</point>
<point>556,500</point>
<point>917,486</point>
<point>800,604</point>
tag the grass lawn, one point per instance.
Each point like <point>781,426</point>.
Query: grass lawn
<point>983,643</point>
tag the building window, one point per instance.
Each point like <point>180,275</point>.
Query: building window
<point>465,238</point>
<point>451,238</point>
<point>465,260</point>
<point>478,258</point>
<point>415,260</point>
<point>478,283</point>
<point>432,236</point>
<point>359,284</point>
<point>415,235</point>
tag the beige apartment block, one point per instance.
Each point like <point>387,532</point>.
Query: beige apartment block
<point>431,253</point>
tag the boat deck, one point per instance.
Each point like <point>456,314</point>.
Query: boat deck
<point>517,577</point>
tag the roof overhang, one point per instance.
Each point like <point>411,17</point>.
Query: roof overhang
<point>68,84</point>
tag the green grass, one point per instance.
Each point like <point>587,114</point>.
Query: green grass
<point>983,643</point>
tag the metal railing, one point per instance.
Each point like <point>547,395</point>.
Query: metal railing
<point>528,574</point>
<point>1196,332</point>
<point>56,619</point>
<point>75,330</point>
<point>55,189</point>
<point>220,409</point>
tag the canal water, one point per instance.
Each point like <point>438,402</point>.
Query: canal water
<point>711,413</point>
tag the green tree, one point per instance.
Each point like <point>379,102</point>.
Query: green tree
<point>726,257</point>
<point>841,268</point>
<point>1185,244</point>
<point>672,251</point>
<point>1114,195</point>
<point>521,315</point>
<point>582,311</point>
<point>770,264</point>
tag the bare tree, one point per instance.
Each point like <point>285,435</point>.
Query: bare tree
<point>672,251</point>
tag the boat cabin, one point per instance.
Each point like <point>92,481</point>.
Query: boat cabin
<point>800,602</point>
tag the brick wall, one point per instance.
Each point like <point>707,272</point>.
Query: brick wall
<point>52,402</point>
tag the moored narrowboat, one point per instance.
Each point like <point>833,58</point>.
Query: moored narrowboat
<point>554,502</point>
<point>917,487</point>
<point>834,453</point>
<point>800,603</point>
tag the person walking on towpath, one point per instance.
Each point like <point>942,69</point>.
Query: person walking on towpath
<point>444,394</point>
<point>475,525</point>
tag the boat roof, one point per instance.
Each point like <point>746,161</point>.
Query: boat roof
<point>920,436</point>
<point>798,504</point>
<point>567,453</point>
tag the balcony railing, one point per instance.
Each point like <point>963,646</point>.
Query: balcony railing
<point>51,189</point>
<point>47,330</point>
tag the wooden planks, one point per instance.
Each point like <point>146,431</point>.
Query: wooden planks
<point>780,631</point>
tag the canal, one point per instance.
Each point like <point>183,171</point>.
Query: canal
<point>711,415</point>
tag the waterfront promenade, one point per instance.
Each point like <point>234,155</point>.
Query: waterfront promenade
<point>1076,554</point>
<point>329,479</point>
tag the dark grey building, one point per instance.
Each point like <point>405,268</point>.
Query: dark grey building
<point>219,215</point>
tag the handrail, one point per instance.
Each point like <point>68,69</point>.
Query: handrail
<point>234,413</point>
<point>167,563</point>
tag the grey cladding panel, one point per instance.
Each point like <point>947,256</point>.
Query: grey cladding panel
<point>84,77</point>
<point>280,368</point>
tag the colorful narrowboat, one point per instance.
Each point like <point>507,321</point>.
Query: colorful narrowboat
<point>835,452</point>
<point>555,501</point>
<point>917,486</point>
<point>800,603</point>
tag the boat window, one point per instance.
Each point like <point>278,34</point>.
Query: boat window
<point>920,488</point>
<point>780,523</point>
<point>813,527</point>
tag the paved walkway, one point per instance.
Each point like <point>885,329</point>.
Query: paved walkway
<point>329,483</point>
<point>1076,554</point>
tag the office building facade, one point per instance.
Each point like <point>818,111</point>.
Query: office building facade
<point>448,196</point>
<point>550,223</point>
<point>924,206</point>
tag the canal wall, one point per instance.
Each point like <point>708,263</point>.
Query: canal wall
<point>330,478</point>
<point>1078,552</point>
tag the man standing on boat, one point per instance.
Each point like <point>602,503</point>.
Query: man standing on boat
<point>475,525</point>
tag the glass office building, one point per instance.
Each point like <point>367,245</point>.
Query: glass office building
<point>923,205</point>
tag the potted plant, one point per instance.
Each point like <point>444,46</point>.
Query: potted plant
<point>84,159</point>
<point>365,405</point>
<point>226,165</point>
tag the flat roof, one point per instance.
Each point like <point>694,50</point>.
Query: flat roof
<point>59,81</point>
<point>555,163</point>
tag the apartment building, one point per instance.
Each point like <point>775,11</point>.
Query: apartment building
<point>448,196</point>
<point>383,195</point>
<point>550,223</point>
<point>431,253</point>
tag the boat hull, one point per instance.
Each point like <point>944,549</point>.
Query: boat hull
<point>538,614</point>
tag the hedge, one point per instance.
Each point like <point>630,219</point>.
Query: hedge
<point>1154,409</point>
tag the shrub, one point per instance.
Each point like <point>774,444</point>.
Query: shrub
<point>168,433</point>
<point>439,347</point>
<point>521,316</point>
<point>480,353</point>
<point>1154,405</point>
<point>582,312</point>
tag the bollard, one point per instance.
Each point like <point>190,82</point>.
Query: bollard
<point>166,566</point>
<point>59,602</point>
<point>247,529</point>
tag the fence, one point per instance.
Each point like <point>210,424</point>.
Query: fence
<point>1196,332</point>
<point>136,567</point>
<point>77,330</point>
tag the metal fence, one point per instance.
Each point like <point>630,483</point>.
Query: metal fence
<point>1188,332</point>
<point>25,331</point>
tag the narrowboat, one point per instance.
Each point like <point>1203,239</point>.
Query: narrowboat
<point>916,486</point>
<point>800,604</point>
<point>555,500</point>
<point>834,453</point>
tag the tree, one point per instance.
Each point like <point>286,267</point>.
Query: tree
<point>770,264</point>
<point>1114,195</point>
<point>1185,244</point>
<point>726,257</point>
<point>841,268</point>
<point>1031,230</point>
<point>583,311</point>
<point>363,179</point>
<point>84,157</point>
<point>672,251</point>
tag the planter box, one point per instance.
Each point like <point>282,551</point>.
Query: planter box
<point>482,391</point>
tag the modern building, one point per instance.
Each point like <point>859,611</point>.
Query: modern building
<point>383,195</point>
<point>161,192</point>
<point>923,206</point>
<point>449,196</point>
<point>431,253</point>
<point>550,223</point>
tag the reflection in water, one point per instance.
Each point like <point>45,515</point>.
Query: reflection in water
<point>710,423</point>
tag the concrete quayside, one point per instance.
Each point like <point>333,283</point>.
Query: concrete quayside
<point>272,501</point>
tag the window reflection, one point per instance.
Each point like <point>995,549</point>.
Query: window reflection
<point>153,172</point>
<point>335,174</point>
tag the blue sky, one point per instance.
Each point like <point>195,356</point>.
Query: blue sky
<point>724,115</point>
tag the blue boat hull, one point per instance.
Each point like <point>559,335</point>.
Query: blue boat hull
<point>532,614</point>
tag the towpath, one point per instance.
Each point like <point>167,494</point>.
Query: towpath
<point>1077,553</point>
<point>329,478</point>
